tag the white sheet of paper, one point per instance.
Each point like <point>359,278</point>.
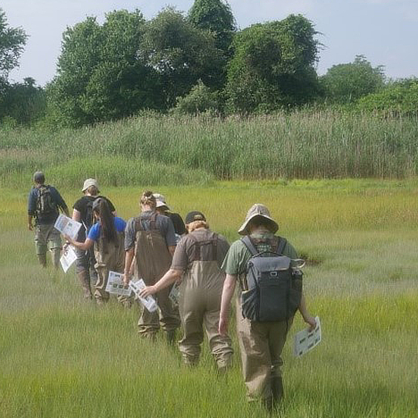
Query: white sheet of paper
<point>306,340</point>
<point>174,294</point>
<point>149,302</point>
<point>115,285</point>
<point>67,226</point>
<point>68,257</point>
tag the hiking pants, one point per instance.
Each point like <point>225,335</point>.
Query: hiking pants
<point>47,237</point>
<point>200,301</point>
<point>261,345</point>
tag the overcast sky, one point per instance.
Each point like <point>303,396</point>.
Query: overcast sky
<point>385,31</point>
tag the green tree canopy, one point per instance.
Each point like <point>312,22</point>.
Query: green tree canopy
<point>399,97</point>
<point>12,41</point>
<point>346,83</point>
<point>102,73</point>
<point>181,54</point>
<point>273,66</point>
<point>216,16</point>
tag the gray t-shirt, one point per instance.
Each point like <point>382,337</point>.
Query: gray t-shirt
<point>162,223</point>
<point>185,250</point>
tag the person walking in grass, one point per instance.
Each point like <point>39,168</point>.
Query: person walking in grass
<point>44,203</point>
<point>261,343</point>
<point>196,262</point>
<point>163,209</point>
<point>83,212</point>
<point>107,236</point>
<point>150,242</point>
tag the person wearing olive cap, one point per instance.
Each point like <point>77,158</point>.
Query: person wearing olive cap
<point>107,236</point>
<point>196,262</point>
<point>261,343</point>
<point>83,212</point>
<point>44,203</point>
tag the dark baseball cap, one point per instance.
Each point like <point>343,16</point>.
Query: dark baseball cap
<point>39,177</point>
<point>194,216</point>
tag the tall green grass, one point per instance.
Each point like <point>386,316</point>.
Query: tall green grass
<point>305,144</point>
<point>61,357</point>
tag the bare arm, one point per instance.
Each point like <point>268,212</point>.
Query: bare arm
<point>76,215</point>
<point>170,277</point>
<point>310,320</point>
<point>171,249</point>
<point>88,243</point>
<point>30,226</point>
<point>227,294</point>
<point>129,256</point>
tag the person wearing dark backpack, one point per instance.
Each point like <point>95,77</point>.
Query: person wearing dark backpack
<point>44,203</point>
<point>150,242</point>
<point>270,284</point>
<point>83,212</point>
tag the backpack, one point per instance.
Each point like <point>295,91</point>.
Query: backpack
<point>45,205</point>
<point>89,219</point>
<point>273,288</point>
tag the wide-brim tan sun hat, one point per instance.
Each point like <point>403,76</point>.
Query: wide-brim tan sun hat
<point>88,183</point>
<point>258,210</point>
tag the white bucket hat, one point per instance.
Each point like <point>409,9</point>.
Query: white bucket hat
<point>258,210</point>
<point>160,201</point>
<point>88,183</point>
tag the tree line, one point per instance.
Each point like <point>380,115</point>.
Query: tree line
<point>189,63</point>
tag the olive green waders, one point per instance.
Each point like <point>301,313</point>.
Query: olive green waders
<point>110,256</point>
<point>261,345</point>
<point>200,302</point>
<point>152,261</point>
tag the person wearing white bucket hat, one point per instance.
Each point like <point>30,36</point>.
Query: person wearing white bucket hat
<point>162,208</point>
<point>261,342</point>
<point>83,212</point>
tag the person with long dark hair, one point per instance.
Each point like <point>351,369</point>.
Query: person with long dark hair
<point>107,235</point>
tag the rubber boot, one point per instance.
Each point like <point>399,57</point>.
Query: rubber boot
<point>171,337</point>
<point>42,259</point>
<point>268,404</point>
<point>85,283</point>
<point>277,390</point>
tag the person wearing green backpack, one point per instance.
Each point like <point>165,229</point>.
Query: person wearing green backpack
<point>44,204</point>
<point>262,324</point>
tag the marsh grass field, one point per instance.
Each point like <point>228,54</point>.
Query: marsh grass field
<point>62,357</point>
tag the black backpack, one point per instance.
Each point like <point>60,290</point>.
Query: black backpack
<point>88,221</point>
<point>273,288</point>
<point>45,205</point>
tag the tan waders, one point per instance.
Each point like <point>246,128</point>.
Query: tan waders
<point>200,301</point>
<point>152,261</point>
<point>110,256</point>
<point>261,345</point>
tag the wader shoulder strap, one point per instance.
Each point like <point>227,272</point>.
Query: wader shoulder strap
<point>197,253</point>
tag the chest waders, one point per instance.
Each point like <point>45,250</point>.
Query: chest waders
<point>199,303</point>
<point>153,260</point>
<point>110,256</point>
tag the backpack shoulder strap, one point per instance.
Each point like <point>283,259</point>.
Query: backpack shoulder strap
<point>282,245</point>
<point>250,246</point>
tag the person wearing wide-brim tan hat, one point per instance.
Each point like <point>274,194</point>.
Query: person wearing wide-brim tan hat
<point>83,213</point>
<point>261,343</point>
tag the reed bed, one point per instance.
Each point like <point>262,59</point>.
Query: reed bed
<point>304,144</point>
